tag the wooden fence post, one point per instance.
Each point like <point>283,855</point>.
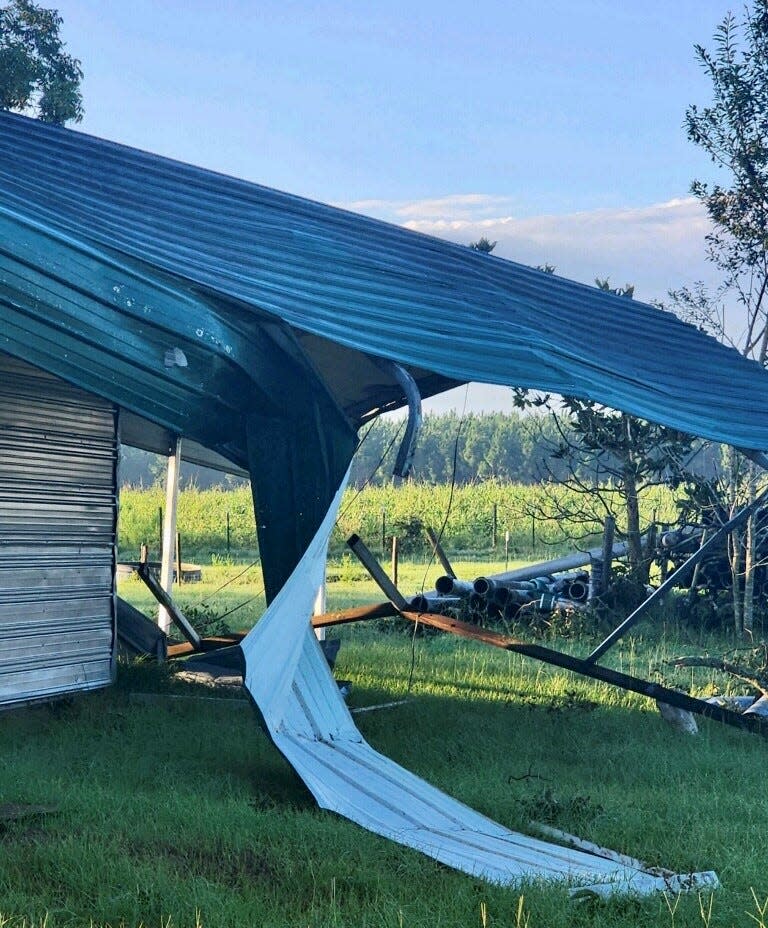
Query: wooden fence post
<point>395,558</point>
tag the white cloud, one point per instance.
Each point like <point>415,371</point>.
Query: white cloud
<point>655,247</point>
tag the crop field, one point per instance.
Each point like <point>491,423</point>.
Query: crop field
<point>373,512</point>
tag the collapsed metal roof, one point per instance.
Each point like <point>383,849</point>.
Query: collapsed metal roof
<point>250,321</point>
<point>276,309</point>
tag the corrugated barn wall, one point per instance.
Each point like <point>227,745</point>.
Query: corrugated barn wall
<point>58,515</point>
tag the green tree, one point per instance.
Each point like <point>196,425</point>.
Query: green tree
<point>733,131</point>
<point>37,76</point>
<point>609,458</point>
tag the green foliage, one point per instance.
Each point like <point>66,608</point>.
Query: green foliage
<point>491,446</point>
<point>202,521</point>
<point>732,131</point>
<point>484,245</point>
<point>404,509</point>
<point>36,75</point>
<point>609,459</point>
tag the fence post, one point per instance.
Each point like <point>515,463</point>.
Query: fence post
<point>494,526</point>
<point>229,539</point>
<point>395,558</point>
<point>179,577</point>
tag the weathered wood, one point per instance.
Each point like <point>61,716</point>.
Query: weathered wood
<point>178,617</point>
<point>366,558</point>
<point>439,552</point>
<point>360,614</point>
<point>213,643</point>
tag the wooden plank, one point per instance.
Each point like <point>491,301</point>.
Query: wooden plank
<point>178,617</point>
<point>589,669</point>
<point>213,643</point>
<point>439,552</point>
<point>360,614</point>
<point>366,558</point>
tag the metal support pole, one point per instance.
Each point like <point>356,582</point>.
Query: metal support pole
<point>169,532</point>
<point>674,578</point>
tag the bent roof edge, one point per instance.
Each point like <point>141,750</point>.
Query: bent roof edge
<point>380,289</point>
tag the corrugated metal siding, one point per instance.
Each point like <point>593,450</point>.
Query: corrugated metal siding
<point>58,511</point>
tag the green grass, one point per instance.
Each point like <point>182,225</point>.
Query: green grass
<point>183,814</point>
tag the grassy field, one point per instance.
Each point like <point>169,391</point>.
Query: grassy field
<point>181,813</point>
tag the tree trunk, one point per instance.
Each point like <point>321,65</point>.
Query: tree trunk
<point>635,556</point>
<point>749,557</point>
<point>735,550</point>
<point>637,561</point>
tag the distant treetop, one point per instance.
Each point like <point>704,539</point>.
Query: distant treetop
<point>483,244</point>
<point>37,77</point>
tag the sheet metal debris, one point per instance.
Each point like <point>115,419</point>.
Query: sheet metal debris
<point>290,682</point>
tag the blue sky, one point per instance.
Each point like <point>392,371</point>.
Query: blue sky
<point>553,127</point>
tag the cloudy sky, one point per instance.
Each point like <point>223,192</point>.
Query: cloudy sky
<point>552,126</point>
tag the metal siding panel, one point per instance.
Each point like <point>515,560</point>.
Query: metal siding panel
<point>58,513</point>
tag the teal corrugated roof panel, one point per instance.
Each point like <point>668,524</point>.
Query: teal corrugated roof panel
<point>377,288</point>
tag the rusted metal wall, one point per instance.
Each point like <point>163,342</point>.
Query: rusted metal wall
<point>58,513</point>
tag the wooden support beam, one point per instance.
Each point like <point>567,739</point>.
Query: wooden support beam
<point>366,558</point>
<point>439,552</point>
<point>169,532</point>
<point>178,617</point>
<point>214,643</point>
<point>361,614</point>
<point>595,671</point>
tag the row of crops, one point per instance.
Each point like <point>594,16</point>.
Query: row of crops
<point>521,520</point>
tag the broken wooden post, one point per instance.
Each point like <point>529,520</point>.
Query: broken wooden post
<point>169,531</point>
<point>366,558</point>
<point>169,607</point>
<point>439,552</point>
